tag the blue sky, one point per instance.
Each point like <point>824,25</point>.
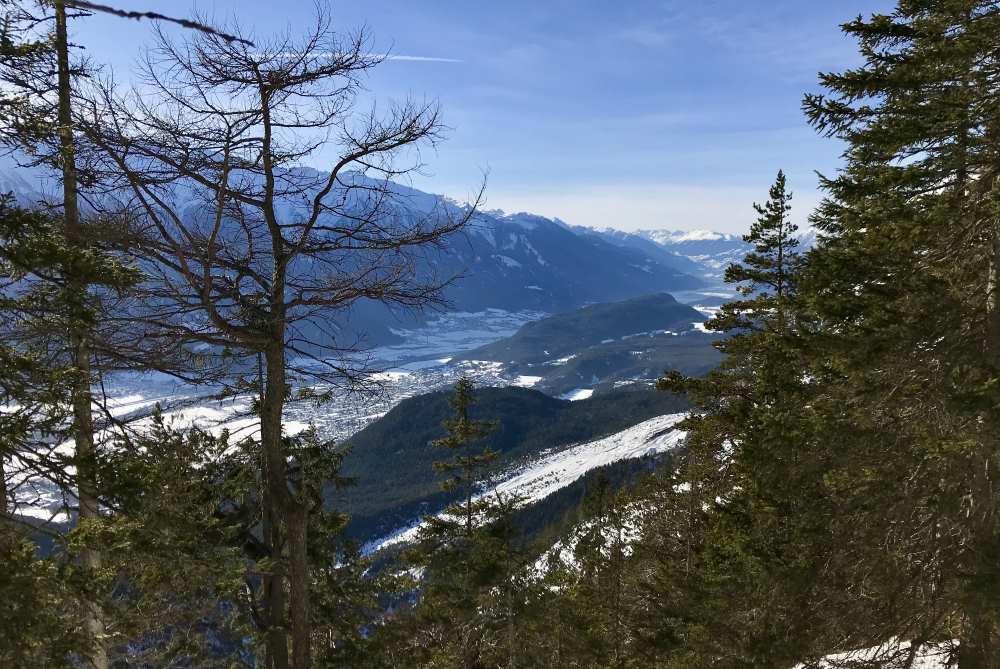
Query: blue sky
<point>630,114</point>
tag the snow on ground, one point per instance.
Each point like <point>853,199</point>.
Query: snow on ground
<point>710,312</point>
<point>577,394</point>
<point>559,362</point>
<point>418,366</point>
<point>540,478</point>
<point>552,472</point>
<point>451,332</point>
<point>625,534</point>
<point>892,654</point>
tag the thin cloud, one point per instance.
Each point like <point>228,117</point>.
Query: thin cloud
<point>423,59</point>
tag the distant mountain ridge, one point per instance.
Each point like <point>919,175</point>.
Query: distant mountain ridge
<point>514,262</point>
<point>710,250</point>
<point>568,333</point>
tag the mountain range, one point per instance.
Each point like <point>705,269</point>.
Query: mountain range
<point>513,262</point>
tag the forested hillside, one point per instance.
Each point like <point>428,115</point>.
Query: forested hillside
<point>601,347</point>
<point>390,459</point>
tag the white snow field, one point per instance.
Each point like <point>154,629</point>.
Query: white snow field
<point>541,477</point>
<point>577,394</point>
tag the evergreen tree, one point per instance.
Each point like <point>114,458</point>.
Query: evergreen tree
<point>857,444</point>
<point>906,291</point>
<point>766,275</point>
<point>748,464</point>
<point>37,598</point>
<point>467,466</point>
<point>471,564</point>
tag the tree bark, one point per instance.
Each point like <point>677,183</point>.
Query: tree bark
<point>83,419</point>
<point>298,520</point>
<point>3,490</point>
<point>275,494</point>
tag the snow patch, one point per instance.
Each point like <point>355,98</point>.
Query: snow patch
<point>577,394</point>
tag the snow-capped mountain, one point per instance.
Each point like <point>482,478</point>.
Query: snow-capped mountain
<point>712,251</point>
<point>522,261</point>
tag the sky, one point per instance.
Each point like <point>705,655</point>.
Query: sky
<point>633,114</point>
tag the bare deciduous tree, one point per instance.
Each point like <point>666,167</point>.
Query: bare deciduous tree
<point>249,252</point>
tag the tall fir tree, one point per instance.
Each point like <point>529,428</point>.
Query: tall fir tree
<point>906,290</point>
<point>467,465</point>
<point>748,464</point>
<point>472,584</point>
<point>861,439</point>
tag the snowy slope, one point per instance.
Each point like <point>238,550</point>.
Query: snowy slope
<point>892,654</point>
<point>540,478</point>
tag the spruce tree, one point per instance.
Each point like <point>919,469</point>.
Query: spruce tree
<point>748,466</point>
<point>859,440</point>
<point>906,291</point>
<point>473,578</point>
<point>467,465</point>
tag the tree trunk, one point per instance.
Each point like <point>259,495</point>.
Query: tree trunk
<point>298,520</point>
<point>993,302</point>
<point>3,490</point>
<point>83,419</point>
<point>289,529</point>
<point>275,495</point>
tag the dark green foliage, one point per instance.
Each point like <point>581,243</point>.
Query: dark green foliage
<point>747,474</point>
<point>37,597</point>
<point>468,464</point>
<point>850,436</point>
<point>468,559</point>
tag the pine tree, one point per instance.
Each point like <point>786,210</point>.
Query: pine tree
<point>748,462</point>
<point>467,466</point>
<point>859,439</point>
<point>473,573</point>
<point>906,290</point>
<point>766,275</point>
<point>38,596</point>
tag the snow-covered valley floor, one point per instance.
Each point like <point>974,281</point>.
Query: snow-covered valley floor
<point>419,365</point>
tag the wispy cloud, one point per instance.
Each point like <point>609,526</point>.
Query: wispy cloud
<point>647,36</point>
<point>422,59</point>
